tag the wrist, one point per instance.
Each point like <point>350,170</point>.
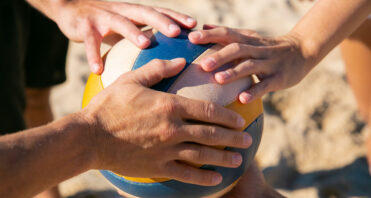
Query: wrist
<point>48,8</point>
<point>88,131</point>
<point>81,128</point>
<point>55,8</point>
<point>310,49</point>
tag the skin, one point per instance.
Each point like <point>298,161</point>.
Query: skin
<point>252,185</point>
<point>127,134</point>
<point>283,61</point>
<point>90,21</point>
<point>38,112</point>
<point>356,52</point>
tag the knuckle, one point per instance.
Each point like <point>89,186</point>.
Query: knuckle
<point>235,47</point>
<point>159,63</point>
<point>168,133</point>
<point>232,72</point>
<point>210,110</point>
<point>116,19</point>
<point>226,31</point>
<point>211,134</point>
<point>168,106</point>
<point>199,155</point>
<point>251,62</point>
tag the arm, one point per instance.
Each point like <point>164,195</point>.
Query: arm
<point>327,24</point>
<point>252,184</point>
<point>90,21</point>
<point>284,61</point>
<point>41,157</point>
<point>142,134</point>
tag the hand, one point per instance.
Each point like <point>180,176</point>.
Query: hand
<point>279,63</point>
<point>89,21</point>
<point>140,132</point>
<point>252,185</point>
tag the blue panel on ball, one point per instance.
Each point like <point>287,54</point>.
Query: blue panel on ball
<point>173,188</point>
<point>166,48</point>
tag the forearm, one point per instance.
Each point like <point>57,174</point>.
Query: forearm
<point>47,7</point>
<point>327,24</point>
<point>41,157</point>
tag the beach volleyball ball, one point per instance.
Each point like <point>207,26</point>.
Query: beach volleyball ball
<point>192,83</point>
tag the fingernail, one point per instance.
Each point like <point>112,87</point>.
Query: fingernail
<point>173,28</point>
<point>142,39</point>
<point>96,68</point>
<point>245,97</point>
<point>236,159</point>
<point>217,179</point>
<point>210,63</point>
<point>240,122</point>
<point>190,21</point>
<point>197,35</point>
<point>222,76</point>
<point>246,140</point>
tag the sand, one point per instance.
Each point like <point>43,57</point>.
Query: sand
<point>313,141</point>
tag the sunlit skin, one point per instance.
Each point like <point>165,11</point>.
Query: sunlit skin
<point>356,52</point>
<point>281,62</point>
<point>89,21</point>
<point>141,134</point>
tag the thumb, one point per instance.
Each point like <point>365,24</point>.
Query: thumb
<point>156,70</point>
<point>256,91</point>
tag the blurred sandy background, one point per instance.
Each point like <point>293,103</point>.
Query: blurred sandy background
<point>313,138</point>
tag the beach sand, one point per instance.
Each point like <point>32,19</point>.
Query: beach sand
<point>313,141</point>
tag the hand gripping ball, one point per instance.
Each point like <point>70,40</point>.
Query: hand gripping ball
<point>193,83</point>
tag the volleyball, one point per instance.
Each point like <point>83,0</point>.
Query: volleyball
<point>192,82</point>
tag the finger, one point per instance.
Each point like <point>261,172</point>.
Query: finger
<point>188,174</point>
<point>123,26</point>
<point>208,112</point>
<point>243,69</point>
<point>156,70</point>
<point>220,35</point>
<point>215,136</point>
<point>206,155</point>
<point>208,26</point>
<point>256,91</point>
<point>182,19</point>
<point>149,16</point>
<point>92,46</point>
<point>229,53</point>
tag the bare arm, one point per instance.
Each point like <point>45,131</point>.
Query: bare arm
<point>142,134</point>
<point>41,157</point>
<point>283,61</point>
<point>328,23</point>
